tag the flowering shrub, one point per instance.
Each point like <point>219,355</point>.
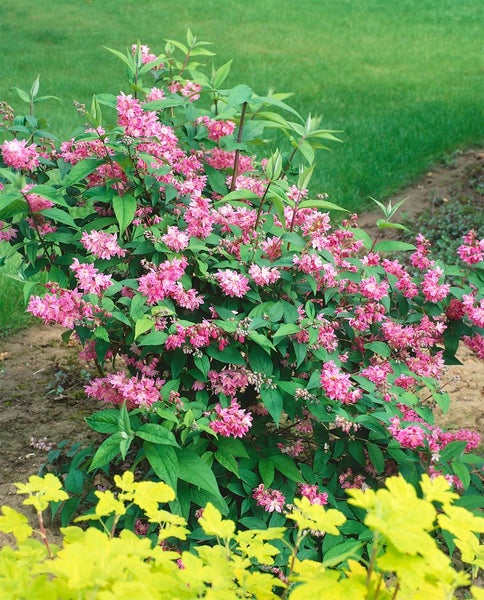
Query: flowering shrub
<point>248,350</point>
<point>406,562</point>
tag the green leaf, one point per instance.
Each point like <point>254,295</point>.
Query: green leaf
<point>154,338</point>
<point>203,364</point>
<point>228,462</point>
<point>285,330</point>
<point>157,434</point>
<point>60,216</point>
<point>229,355</point>
<point>105,421</point>
<point>286,466</point>
<point>164,462</point>
<point>239,94</point>
<point>376,457</point>
<point>261,340</point>
<point>379,348</point>
<point>195,470</point>
<point>107,451</point>
<point>124,209</point>
<point>273,401</point>
<point>80,170</point>
<point>142,325</point>
<point>393,246</point>
<point>259,361</point>
<point>21,94</point>
<point>341,552</point>
<point>462,473</point>
<point>221,74</point>
<point>321,204</point>
<point>267,471</point>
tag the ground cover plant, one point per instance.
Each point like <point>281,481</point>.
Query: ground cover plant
<point>249,351</point>
<point>94,563</point>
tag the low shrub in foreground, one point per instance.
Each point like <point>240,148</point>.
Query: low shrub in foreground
<point>248,350</point>
<point>405,561</point>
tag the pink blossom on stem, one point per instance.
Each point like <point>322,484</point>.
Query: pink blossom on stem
<point>432,289</point>
<point>264,275</point>
<point>232,283</point>
<point>312,493</point>
<point>270,500</point>
<point>89,278</point>
<point>472,250</point>
<point>7,233</point>
<point>102,244</point>
<point>18,155</point>
<point>232,421</point>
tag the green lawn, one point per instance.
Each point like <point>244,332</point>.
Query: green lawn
<point>404,80</point>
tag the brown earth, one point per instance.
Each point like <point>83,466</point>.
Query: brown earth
<point>41,387</point>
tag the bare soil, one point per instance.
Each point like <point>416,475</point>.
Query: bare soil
<point>41,389</point>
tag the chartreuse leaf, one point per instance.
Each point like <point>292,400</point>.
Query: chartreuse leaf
<point>14,522</point>
<point>316,517</point>
<point>213,524</point>
<point>41,491</point>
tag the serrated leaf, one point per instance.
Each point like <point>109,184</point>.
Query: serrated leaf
<point>239,94</point>
<point>81,170</point>
<point>157,434</point>
<point>164,462</point>
<point>195,470</point>
<point>142,325</point>
<point>273,401</point>
<point>228,462</point>
<point>60,216</point>
<point>107,451</point>
<point>105,421</point>
<point>21,94</point>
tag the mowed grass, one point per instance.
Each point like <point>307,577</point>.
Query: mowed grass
<point>403,80</point>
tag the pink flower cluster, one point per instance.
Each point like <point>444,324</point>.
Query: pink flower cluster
<point>232,283</point>
<point>35,202</point>
<point>312,493</point>
<point>472,250</point>
<point>232,421</point>
<point>102,244</point>
<point>422,435</point>
<point>63,307</point>
<point>264,275</point>
<point>337,385</point>
<point>89,278</point>
<point>118,388</point>
<point>217,128</point>
<point>229,381</point>
<point>17,154</point>
<point>270,500</point>
<point>163,282</point>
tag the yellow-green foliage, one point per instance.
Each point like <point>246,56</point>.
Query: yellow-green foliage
<point>405,563</point>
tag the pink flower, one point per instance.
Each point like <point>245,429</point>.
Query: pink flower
<point>175,239</point>
<point>216,128</point>
<point>90,280</point>
<point>472,250</point>
<point>232,283</point>
<point>18,155</point>
<point>432,289</point>
<point>232,421</point>
<point>337,385</point>
<point>35,202</point>
<point>312,493</point>
<point>264,275</point>
<point>7,233</point>
<point>102,244</point>
<point>373,290</point>
<point>270,500</point>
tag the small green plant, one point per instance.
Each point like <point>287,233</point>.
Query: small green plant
<point>446,223</point>
<point>405,562</point>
